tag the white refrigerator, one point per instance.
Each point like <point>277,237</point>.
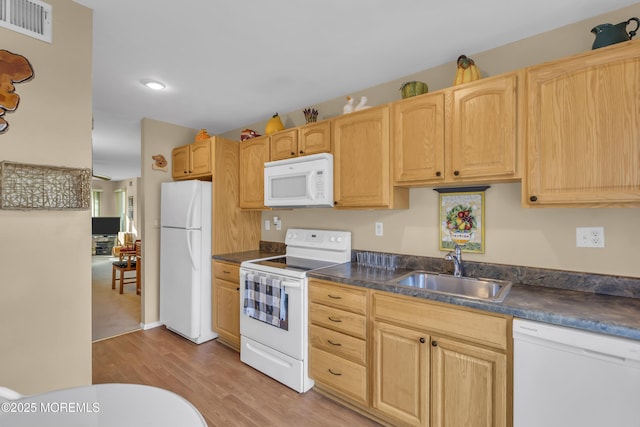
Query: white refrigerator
<point>185,259</point>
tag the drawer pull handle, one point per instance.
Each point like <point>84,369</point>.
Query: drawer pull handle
<point>226,272</point>
<point>334,296</point>
<point>337,344</point>
<point>337,374</point>
<point>335,320</point>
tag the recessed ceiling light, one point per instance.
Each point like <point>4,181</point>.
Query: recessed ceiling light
<point>153,84</point>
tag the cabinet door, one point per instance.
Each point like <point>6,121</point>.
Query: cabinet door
<point>253,155</point>
<point>227,311</point>
<point>315,138</point>
<point>418,139</point>
<point>583,130</point>
<point>284,145</point>
<point>468,385</point>
<point>200,157</point>
<point>400,374</point>
<point>484,130</point>
<point>361,159</point>
<point>180,162</point>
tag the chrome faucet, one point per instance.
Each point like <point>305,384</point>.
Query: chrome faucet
<point>456,257</point>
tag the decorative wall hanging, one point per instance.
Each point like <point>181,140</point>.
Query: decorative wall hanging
<point>160,163</point>
<point>462,218</point>
<point>35,187</point>
<point>13,69</point>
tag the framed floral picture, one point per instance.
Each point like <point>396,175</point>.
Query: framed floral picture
<point>462,219</point>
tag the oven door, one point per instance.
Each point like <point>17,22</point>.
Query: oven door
<point>291,341</point>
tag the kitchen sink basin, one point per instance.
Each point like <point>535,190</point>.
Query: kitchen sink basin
<point>466,287</point>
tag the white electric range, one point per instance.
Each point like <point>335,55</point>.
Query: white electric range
<point>274,304</point>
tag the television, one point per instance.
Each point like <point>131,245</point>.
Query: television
<point>105,225</point>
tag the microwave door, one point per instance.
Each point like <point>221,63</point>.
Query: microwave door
<point>311,194</point>
<point>287,188</point>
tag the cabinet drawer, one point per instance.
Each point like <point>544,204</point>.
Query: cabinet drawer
<point>338,320</point>
<point>223,270</point>
<point>354,300</point>
<point>341,375</point>
<point>472,326</point>
<point>339,344</point>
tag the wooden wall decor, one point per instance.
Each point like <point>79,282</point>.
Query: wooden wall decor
<point>13,69</point>
<point>36,187</point>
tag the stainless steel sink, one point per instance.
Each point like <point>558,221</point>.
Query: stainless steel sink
<point>466,287</point>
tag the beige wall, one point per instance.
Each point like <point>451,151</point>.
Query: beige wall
<point>531,237</point>
<point>45,305</point>
<point>108,197</point>
<point>157,138</point>
<point>108,201</point>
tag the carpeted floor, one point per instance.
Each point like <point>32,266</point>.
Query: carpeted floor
<point>112,314</point>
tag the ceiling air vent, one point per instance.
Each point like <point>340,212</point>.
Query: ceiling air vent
<point>30,17</point>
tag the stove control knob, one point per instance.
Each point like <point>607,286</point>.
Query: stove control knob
<point>332,239</point>
<point>290,235</point>
<point>339,239</point>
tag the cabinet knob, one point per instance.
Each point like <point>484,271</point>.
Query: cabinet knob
<point>533,198</point>
<point>301,152</point>
<point>434,343</point>
<point>438,173</point>
<point>293,153</point>
<point>237,289</point>
<point>422,340</point>
<point>456,173</point>
<point>335,203</point>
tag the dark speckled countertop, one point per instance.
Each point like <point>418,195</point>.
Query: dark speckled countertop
<point>239,257</point>
<point>566,299</point>
<point>607,314</point>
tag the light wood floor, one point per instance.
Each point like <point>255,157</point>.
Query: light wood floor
<point>112,313</point>
<point>226,391</point>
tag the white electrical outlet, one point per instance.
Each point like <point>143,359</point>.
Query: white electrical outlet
<point>590,237</point>
<point>379,229</point>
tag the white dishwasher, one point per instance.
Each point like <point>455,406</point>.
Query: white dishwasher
<point>566,377</point>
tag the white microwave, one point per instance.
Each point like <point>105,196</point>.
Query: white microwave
<point>305,181</point>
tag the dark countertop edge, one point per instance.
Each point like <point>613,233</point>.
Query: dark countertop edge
<point>518,302</point>
<point>240,257</point>
<point>523,301</point>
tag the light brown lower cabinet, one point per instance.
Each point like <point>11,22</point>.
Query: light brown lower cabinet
<point>427,363</point>
<point>401,373</point>
<point>226,303</point>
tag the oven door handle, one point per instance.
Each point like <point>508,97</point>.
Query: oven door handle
<point>287,284</point>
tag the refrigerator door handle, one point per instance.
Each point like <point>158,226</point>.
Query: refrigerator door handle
<point>190,210</point>
<point>189,246</point>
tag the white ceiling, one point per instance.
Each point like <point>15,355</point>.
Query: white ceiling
<point>228,64</point>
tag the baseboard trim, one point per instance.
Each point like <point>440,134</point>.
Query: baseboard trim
<point>151,325</point>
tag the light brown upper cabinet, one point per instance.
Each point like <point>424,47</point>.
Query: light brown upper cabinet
<point>192,160</point>
<point>253,155</point>
<point>583,130</point>
<point>301,141</point>
<point>362,169</point>
<point>464,134</point>
<point>418,132</point>
<point>485,130</point>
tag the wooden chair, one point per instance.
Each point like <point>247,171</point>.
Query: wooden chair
<point>138,266</point>
<point>127,263</point>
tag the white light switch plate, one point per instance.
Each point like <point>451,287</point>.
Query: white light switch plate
<point>379,229</point>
